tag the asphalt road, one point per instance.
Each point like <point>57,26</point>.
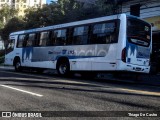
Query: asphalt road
<point>28,91</point>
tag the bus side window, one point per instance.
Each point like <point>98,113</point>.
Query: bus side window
<point>60,37</point>
<point>80,35</point>
<point>104,33</point>
<point>30,40</point>
<point>44,38</point>
<point>21,39</point>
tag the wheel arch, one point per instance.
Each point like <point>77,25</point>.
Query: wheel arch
<point>62,59</point>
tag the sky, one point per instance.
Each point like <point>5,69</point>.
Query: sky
<point>48,1</point>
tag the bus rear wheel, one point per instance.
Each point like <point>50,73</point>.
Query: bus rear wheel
<point>63,68</point>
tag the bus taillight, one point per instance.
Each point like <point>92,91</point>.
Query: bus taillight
<point>123,55</point>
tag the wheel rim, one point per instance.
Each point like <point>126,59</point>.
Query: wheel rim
<point>63,69</point>
<point>18,65</point>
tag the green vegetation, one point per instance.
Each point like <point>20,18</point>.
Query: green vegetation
<point>6,13</point>
<point>58,12</point>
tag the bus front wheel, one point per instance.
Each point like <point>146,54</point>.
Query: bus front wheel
<point>63,68</point>
<point>17,66</point>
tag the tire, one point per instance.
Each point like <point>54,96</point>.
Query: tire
<point>63,68</point>
<point>17,66</point>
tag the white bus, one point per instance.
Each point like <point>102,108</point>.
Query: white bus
<point>106,44</point>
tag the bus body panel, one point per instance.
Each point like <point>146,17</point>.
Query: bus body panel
<point>108,62</point>
<point>138,44</point>
<point>137,55</point>
<point>132,68</point>
<point>122,36</point>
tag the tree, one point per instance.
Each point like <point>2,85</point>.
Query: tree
<point>69,9</point>
<point>6,13</point>
<point>14,24</point>
<point>59,12</point>
<point>98,8</point>
<point>31,18</point>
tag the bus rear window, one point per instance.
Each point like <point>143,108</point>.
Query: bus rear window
<point>138,32</point>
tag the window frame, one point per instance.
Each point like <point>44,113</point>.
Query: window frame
<point>117,28</point>
<point>22,42</point>
<point>48,39</point>
<point>69,35</point>
<point>83,35</point>
<point>139,39</point>
<point>54,38</point>
<point>33,41</point>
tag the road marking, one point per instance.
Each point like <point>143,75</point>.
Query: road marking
<point>24,91</point>
<point>140,92</point>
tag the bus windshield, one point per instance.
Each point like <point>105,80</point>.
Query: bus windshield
<point>138,32</point>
